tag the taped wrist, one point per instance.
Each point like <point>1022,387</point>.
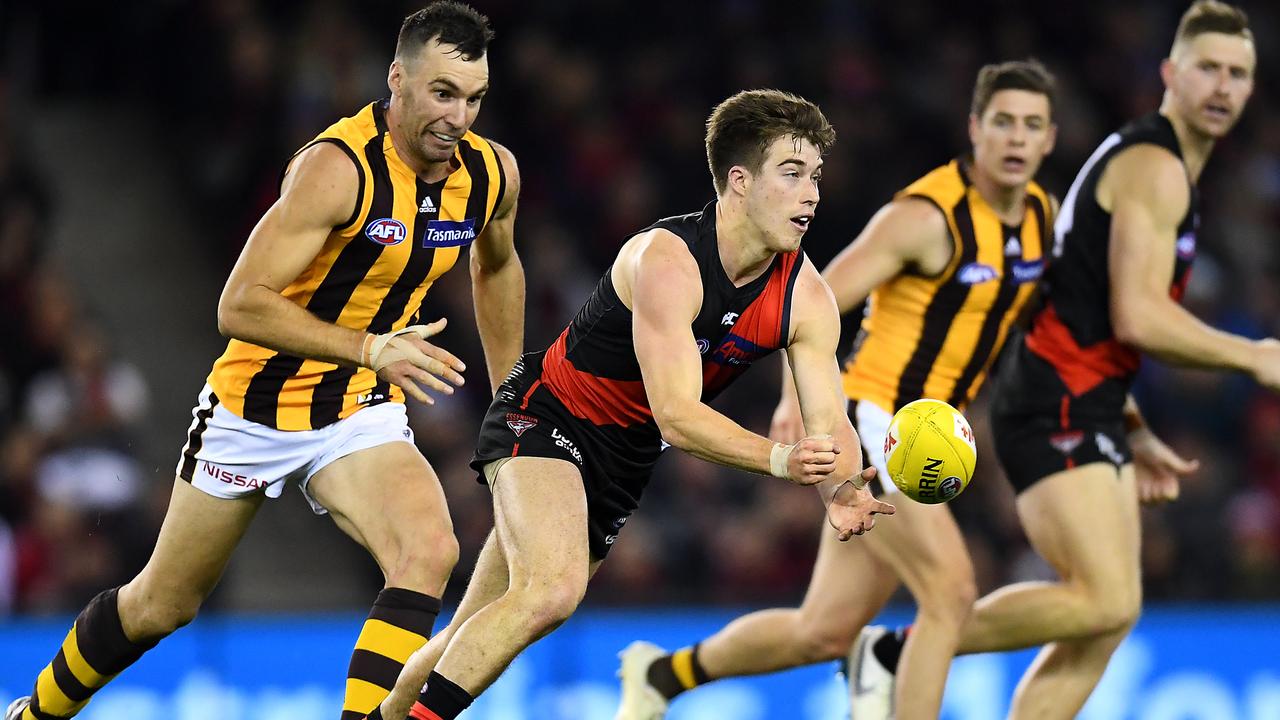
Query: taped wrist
<point>778,457</point>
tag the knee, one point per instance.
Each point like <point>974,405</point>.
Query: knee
<point>950,597</point>
<point>948,594</point>
<point>820,640</point>
<point>1112,609</point>
<point>552,600</point>
<point>423,560</point>
<point>1118,611</point>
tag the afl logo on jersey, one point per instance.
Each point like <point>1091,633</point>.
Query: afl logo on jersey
<point>976,273</point>
<point>386,231</point>
<point>1187,246</point>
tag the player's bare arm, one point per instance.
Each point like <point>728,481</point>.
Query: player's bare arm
<point>658,279</point>
<point>811,352</point>
<point>1145,189</point>
<point>907,234</point>
<point>319,193</point>
<point>497,280</point>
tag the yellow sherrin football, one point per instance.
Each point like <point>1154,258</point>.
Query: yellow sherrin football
<point>929,451</point>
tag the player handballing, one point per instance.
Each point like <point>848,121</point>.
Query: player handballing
<point>948,265</point>
<point>569,444</point>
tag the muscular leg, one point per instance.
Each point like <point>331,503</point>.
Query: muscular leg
<point>540,518</point>
<point>1085,523</point>
<point>389,500</point>
<point>488,583</point>
<point>924,547</point>
<point>196,540</point>
<point>848,587</point>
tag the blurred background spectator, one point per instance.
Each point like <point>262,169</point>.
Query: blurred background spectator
<point>140,143</point>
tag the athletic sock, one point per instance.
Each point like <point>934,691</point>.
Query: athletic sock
<point>441,699</point>
<point>888,648</point>
<point>93,653</point>
<point>673,674</point>
<point>399,623</point>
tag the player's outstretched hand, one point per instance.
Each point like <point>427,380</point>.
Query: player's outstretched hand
<point>853,509</point>
<point>405,358</point>
<point>810,460</point>
<point>1266,365</point>
<point>1157,468</point>
<point>788,424</point>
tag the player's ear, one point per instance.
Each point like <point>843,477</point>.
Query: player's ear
<point>974,125</point>
<point>395,75</point>
<point>1167,70</point>
<point>1053,138</point>
<point>739,180</point>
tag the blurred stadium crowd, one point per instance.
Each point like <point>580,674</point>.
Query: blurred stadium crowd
<point>603,104</point>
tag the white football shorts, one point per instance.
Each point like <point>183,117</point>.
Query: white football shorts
<point>229,457</point>
<point>872,424</point>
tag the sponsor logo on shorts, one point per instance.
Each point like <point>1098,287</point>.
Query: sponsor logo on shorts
<point>449,233</point>
<point>230,478</point>
<point>519,423</point>
<point>617,525</point>
<point>386,231</point>
<point>567,444</point>
<point>1067,442</point>
<point>1025,271</point>
<point>1107,447</point>
<point>976,273</point>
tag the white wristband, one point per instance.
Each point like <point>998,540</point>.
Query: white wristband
<point>778,457</point>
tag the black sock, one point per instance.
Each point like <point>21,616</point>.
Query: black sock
<point>443,697</point>
<point>888,649</point>
<point>673,674</point>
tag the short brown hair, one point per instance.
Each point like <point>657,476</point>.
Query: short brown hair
<point>741,129</point>
<point>1212,16</point>
<point>1029,75</point>
<point>450,23</point>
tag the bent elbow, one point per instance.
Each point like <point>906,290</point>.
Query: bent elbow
<point>230,315</point>
<point>1130,329</point>
<point>667,417</point>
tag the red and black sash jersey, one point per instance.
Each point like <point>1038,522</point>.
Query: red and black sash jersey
<point>1072,330</point>
<point>592,368</point>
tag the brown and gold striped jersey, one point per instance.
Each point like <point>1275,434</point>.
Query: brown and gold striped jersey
<point>936,337</point>
<point>372,274</point>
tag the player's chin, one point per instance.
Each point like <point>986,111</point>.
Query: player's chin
<point>434,153</point>
<point>788,241</point>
